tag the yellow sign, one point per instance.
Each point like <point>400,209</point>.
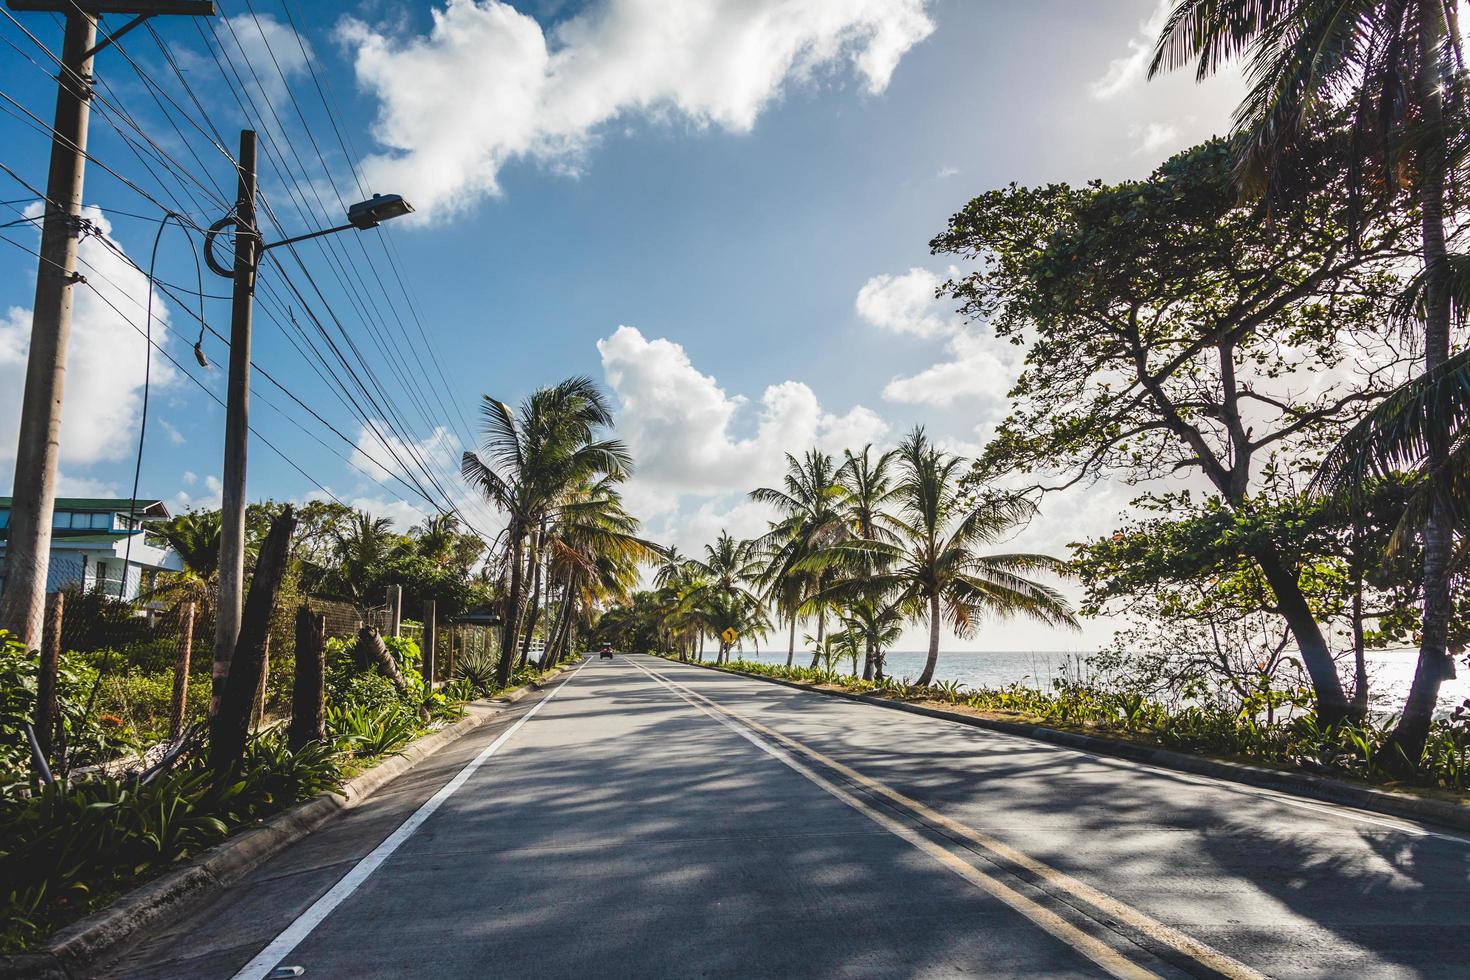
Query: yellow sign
<point>729,636</point>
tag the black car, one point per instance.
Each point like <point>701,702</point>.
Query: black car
<point>605,652</point>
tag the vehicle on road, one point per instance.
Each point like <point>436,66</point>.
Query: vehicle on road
<point>605,652</point>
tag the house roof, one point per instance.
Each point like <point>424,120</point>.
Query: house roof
<point>107,505</point>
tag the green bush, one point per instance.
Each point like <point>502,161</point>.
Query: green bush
<point>69,846</point>
<point>88,738</point>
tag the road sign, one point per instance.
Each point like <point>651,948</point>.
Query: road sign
<point>729,636</point>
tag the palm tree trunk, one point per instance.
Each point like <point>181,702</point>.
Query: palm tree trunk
<point>868,659</point>
<point>533,606</point>
<point>927,676</point>
<point>508,632</point>
<point>821,632</point>
<point>1434,665</point>
<point>791,649</point>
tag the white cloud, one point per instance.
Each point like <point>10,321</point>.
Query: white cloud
<point>265,43</point>
<point>520,93</point>
<point>382,456</point>
<point>105,358</point>
<point>186,500</point>
<point>1155,137</point>
<point>906,303</point>
<point>947,172</point>
<point>1128,71</point>
<point>681,425</point>
<point>68,485</point>
<point>979,366</point>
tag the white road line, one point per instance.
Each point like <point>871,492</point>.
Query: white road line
<point>280,947</point>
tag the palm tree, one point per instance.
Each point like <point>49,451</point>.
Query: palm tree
<point>533,458</point>
<point>437,538</point>
<point>877,625</point>
<point>360,549</point>
<point>1398,66</point>
<point>810,507</point>
<point>934,569</point>
<point>729,567</point>
<point>870,490</point>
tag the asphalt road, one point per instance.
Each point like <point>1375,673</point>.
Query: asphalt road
<point>654,820</point>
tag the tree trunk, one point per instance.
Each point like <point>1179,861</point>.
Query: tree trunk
<point>533,606</point>
<point>1434,665</point>
<point>1332,705</point>
<point>821,633</point>
<point>791,648</point>
<point>308,689</point>
<point>185,648</point>
<point>230,726</point>
<point>928,675</point>
<point>868,659</point>
<point>371,651</point>
<point>1359,704</point>
<point>508,631</point>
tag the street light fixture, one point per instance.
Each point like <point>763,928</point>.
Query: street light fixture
<point>362,216</point>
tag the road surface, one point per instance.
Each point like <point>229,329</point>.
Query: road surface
<point>647,819</point>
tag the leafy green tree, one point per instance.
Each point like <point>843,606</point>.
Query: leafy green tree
<point>532,458</point>
<point>868,484</point>
<point>1398,66</point>
<point>809,505</point>
<point>935,569</point>
<point>1171,331</point>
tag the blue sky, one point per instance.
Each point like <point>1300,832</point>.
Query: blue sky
<point>721,210</point>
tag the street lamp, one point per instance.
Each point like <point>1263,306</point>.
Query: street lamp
<point>248,250</point>
<point>362,216</point>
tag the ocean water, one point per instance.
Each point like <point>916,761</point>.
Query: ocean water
<point>1390,672</point>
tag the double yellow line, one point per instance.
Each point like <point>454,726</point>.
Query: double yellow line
<point>1069,889</point>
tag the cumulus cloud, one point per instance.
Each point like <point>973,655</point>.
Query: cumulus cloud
<point>905,303</point>
<point>105,359</point>
<point>383,456</point>
<point>978,366</point>
<point>1128,71</point>
<point>1154,137</point>
<point>682,427</point>
<point>519,92</point>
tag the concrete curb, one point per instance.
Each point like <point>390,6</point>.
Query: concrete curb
<point>1454,816</point>
<point>75,950</point>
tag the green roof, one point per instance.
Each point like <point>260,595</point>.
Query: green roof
<point>109,505</point>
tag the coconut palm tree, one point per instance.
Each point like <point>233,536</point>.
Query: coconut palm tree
<point>876,625</point>
<point>1398,67</point>
<point>809,503</point>
<point>531,459</point>
<point>870,491</point>
<point>359,551</point>
<point>935,569</point>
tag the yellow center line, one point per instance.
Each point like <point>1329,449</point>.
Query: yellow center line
<point>1094,949</point>
<point>1205,955</point>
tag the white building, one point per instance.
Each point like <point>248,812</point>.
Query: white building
<point>90,545</point>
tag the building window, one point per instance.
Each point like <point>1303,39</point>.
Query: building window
<point>100,522</point>
<point>5,517</point>
<point>61,518</point>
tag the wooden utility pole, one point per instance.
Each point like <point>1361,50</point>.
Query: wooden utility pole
<point>430,631</point>
<point>28,548</point>
<point>237,427</point>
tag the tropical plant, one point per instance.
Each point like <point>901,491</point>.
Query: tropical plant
<point>1398,67</point>
<point>531,459</point>
<point>935,569</point>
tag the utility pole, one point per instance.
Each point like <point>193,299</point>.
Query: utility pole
<point>28,549</point>
<point>237,426</point>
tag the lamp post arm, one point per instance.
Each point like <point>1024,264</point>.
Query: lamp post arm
<point>302,238</point>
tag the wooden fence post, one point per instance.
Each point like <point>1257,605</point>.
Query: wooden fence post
<point>431,630</point>
<point>181,670</point>
<point>265,672</point>
<point>50,659</point>
<point>395,611</point>
<point>308,691</point>
<point>449,657</point>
